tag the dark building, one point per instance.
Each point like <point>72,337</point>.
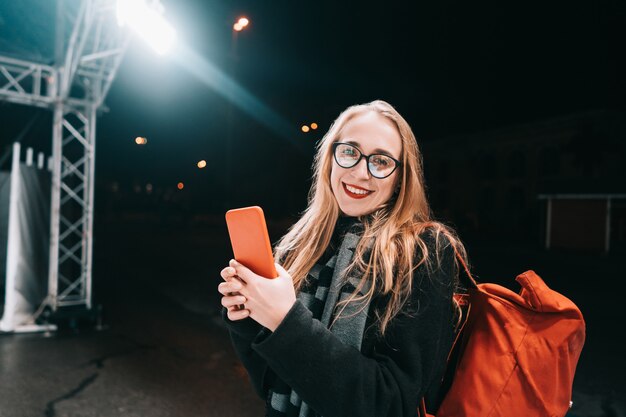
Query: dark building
<point>497,184</point>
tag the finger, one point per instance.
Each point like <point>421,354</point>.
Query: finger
<point>223,288</point>
<point>232,285</point>
<point>240,270</point>
<point>234,300</point>
<point>244,274</point>
<point>228,272</point>
<point>234,315</point>
<point>229,288</point>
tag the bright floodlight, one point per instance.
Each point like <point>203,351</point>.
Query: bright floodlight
<point>147,22</point>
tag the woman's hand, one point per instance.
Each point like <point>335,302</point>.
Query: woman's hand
<point>266,300</point>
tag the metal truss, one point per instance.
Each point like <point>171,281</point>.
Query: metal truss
<point>94,53</point>
<point>74,90</point>
<point>27,83</point>
<point>93,56</point>
<point>71,234</point>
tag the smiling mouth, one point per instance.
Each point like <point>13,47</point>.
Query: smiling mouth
<point>355,192</point>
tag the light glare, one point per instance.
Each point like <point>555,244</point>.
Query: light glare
<point>305,128</point>
<point>148,23</point>
<point>202,164</point>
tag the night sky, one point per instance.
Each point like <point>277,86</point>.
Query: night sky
<point>450,67</point>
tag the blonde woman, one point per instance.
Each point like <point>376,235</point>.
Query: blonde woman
<point>361,318</point>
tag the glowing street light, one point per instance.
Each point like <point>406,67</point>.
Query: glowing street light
<point>141,140</point>
<point>307,129</point>
<point>201,164</point>
<point>241,24</point>
<point>180,185</point>
<point>148,22</point>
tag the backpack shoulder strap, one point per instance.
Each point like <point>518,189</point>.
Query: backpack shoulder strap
<point>467,278</point>
<point>421,412</point>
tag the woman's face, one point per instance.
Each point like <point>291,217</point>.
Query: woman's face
<point>357,192</point>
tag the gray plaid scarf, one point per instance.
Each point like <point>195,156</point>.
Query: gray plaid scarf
<point>327,285</point>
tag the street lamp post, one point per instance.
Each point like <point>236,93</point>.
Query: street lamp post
<point>240,25</point>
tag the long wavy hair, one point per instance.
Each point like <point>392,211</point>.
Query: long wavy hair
<point>391,233</point>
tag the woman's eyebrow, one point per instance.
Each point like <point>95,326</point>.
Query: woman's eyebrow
<point>376,151</point>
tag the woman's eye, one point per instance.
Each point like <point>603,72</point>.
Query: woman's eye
<point>348,152</point>
<point>381,161</point>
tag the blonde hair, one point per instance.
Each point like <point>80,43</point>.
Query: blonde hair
<point>392,232</point>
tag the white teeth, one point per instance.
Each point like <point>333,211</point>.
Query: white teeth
<point>356,190</point>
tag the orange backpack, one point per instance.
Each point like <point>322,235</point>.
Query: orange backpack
<point>516,353</point>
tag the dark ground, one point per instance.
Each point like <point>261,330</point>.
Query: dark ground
<point>163,352</point>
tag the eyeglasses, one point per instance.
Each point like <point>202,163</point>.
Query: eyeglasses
<point>379,165</point>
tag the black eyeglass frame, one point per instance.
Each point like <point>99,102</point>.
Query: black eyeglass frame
<point>367,159</point>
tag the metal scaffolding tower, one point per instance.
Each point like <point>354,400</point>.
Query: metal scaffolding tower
<point>74,89</point>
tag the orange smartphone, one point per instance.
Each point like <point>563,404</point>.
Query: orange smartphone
<point>250,240</point>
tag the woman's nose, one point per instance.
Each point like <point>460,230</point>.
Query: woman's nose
<point>360,169</point>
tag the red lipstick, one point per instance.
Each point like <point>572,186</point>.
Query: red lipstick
<point>355,195</point>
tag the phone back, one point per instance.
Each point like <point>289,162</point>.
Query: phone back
<point>250,240</point>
